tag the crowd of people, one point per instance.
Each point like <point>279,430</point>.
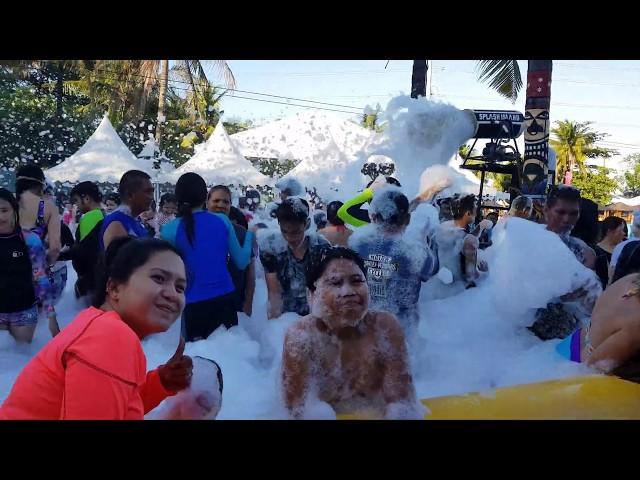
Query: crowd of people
<point>353,271</point>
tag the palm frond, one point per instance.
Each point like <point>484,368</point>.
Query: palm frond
<point>148,72</point>
<point>501,75</point>
<point>197,72</point>
<point>221,67</point>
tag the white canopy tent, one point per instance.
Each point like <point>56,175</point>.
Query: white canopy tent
<point>103,158</point>
<point>633,202</point>
<point>325,147</point>
<point>218,161</point>
<point>302,136</point>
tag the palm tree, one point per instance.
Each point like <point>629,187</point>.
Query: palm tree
<point>574,142</point>
<point>125,87</point>
<point>23,68</point>
<point>502,75</point>
<point>192,72</point>
<point>111,84</point>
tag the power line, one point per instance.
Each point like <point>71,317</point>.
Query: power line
<point>173,81</point>
<point>293,104</point>
<point>562,80</point>
<point>582,105</point>
<point>619,144</point>
<point>238,90</point>
<point>345,72</point>
<point>564,104</point>
<point>592,67</point>
<point>258,99</point>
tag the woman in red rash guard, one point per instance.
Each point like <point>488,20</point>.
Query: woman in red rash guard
<point>96,368</point>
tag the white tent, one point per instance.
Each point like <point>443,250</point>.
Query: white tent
<point>219,161</point>
<point>633,202</point>
<point>151,153</point>
<point>331,171</point>
<point>103,158</point>
<point>302,136</point>
<point>325,146</point>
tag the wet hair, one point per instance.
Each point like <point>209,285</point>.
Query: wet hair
<point>400,202</point>
<point>562,192</point>
<point>320,219</point>
<point>8,196</point>
<point>521,203</point>
<point>462,204</point>
<point>290,186</point>
<point>191,192</point>
<point>131,181</point>
<point>493,214</point>
<point>628,262</point>
<point>609,224</point>
<point>28,177</point>
<point>332,213</point>
<point>168,198</point>
<point>390,181</point>
<point>320,259</point>
<point>444,209</point>
<point>236,215</point>
<point>289,210</point>
<point>89,189</point>
<point>586,227</point>
<point>122,258</point>
<point>114,197</point>
<point>219,187</point>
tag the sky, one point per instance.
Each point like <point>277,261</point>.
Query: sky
<point>604,92</point>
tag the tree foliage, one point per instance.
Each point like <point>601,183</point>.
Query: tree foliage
<point>596,184</point>
<point>631,178</point>
<point>32,131</point>
<point>574,143</point>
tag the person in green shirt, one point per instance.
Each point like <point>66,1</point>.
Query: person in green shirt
<point>84,253</point>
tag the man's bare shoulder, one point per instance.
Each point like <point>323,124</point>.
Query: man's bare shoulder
<point>301,329</point>
<point>384,321</point>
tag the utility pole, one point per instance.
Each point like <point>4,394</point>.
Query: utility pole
<point>419,79</point>
<point>430,78</point>
<point>162,96</point>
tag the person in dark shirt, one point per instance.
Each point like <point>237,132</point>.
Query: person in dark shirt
<point>285,254</point>
<point>85,251</point>
<point>614,231</point>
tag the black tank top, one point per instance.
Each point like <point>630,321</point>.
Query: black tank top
<point>16,276</point>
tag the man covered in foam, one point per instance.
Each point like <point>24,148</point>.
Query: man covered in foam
<point>573,309</point>
<point>284,254</point>
<point>458,245</point>
<point>397,260</point>
<point>202,400</point>
<point>343,354</point>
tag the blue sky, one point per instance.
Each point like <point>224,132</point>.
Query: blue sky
<point>601,91</point>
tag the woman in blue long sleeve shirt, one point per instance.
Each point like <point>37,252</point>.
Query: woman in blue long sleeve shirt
<point>206,240</point>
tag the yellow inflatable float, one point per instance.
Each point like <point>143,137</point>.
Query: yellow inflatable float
<point>580,398</point>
